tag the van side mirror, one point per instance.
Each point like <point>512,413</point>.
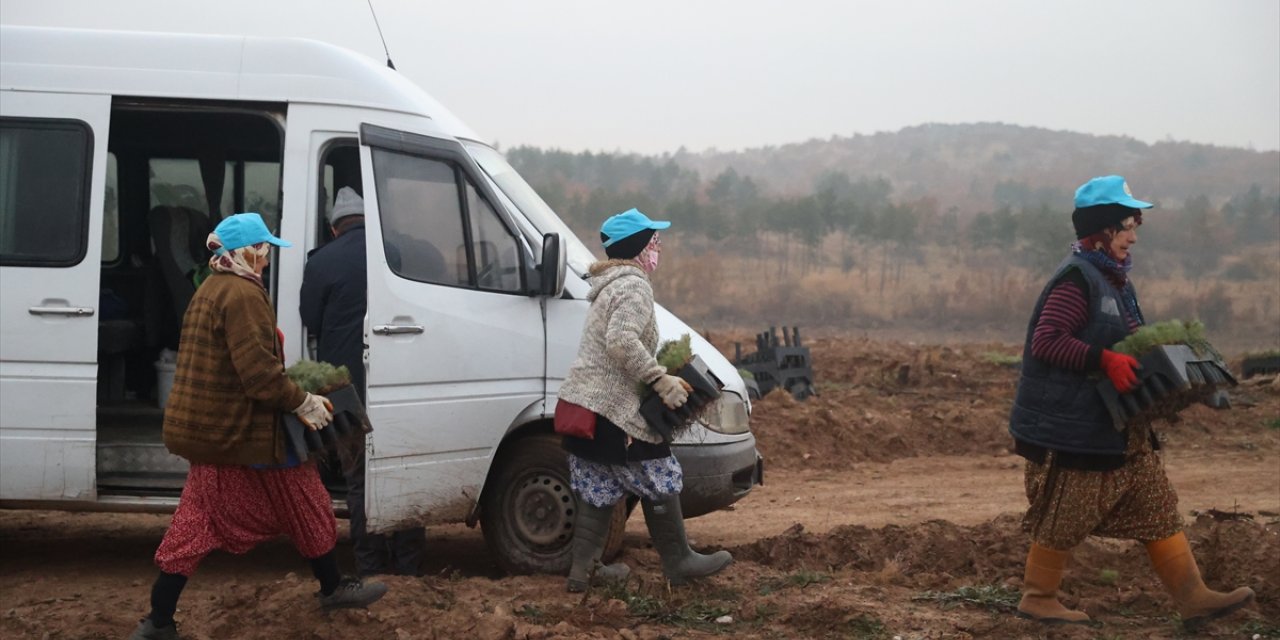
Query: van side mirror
<point>551,270</point>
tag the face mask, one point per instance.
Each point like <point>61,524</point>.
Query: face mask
<point>648,259</point>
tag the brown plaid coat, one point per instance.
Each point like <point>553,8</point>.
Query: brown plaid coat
<point>230,385</point>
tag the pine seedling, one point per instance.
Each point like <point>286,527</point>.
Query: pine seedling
<point>318,377</point>
<point>1148,337</point>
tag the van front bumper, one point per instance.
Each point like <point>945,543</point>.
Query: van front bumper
<point>717,475</point>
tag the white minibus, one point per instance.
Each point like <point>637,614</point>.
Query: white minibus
<point>120,151</point>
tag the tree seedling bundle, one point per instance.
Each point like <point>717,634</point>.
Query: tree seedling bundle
<point>1179,368</point>
<point>1148,337</point>
<point>703,388</point>
<point>318,377</point>
<point>350,422</point>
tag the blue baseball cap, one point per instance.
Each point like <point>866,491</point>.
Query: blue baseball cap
<point>1108,190</point>
<point>244,229</point>
<point>627,223</point>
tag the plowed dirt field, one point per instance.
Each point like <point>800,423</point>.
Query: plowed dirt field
<point>890,509</point>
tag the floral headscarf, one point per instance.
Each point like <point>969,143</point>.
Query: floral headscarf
<point>236,261</point>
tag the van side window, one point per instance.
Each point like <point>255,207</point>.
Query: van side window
<point>339,167</point>
<point>176,183</point>
<point>421,214</point>
<point>44,187</point>
<point>496,251</point>
<point>261,190</point>
<point>181,182</point>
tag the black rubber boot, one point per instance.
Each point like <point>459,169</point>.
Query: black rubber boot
<point>590,529</point>
<point>679,562</point>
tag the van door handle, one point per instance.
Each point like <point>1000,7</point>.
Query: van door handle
<point>61,311</point>
<point>397,329</point>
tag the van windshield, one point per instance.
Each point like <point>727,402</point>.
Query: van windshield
<point>531,204</point>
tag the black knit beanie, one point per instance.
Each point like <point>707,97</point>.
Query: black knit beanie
<point>1091,220</point>
<point>628,247</point>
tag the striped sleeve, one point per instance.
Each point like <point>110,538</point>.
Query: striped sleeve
<point>1065,313</point>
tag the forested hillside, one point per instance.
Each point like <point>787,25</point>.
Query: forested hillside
<point>862,214</point>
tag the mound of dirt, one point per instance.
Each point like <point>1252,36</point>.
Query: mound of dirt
<point>883,401</point>
<point>1106,575</point>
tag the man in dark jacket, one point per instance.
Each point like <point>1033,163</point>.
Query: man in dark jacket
<point>334,300</point>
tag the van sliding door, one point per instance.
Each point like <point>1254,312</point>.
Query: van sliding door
<point>53,158</point>
<point>455,343</point>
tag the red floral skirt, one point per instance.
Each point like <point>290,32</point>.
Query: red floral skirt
<point>234,508</point>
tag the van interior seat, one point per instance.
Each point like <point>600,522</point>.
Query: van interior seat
<point>179,235</point>
<point>116,338</point>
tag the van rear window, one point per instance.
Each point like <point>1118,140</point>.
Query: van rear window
<point>44,188</point>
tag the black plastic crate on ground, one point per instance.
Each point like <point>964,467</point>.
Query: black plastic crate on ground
<point>1172,378</point>
<point>350,422</point>
<point>786,364</point>
<point>1259,366</point>
<point>706,389</point>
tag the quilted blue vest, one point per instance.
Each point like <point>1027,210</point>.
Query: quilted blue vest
<point>1061,410</point>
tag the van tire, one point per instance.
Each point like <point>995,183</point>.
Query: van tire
<point>527,511</point>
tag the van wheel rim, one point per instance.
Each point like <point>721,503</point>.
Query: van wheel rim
<point>544,511</point>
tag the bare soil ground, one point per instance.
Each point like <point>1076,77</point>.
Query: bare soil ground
<point>891,509</point>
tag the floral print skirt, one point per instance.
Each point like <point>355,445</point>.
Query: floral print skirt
<point>602,485</point>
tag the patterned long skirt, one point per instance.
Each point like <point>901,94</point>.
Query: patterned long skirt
<point>1134,502</point>
<point>235,508</point>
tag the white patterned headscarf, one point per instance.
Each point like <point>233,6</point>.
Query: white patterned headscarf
<point>236,261</point>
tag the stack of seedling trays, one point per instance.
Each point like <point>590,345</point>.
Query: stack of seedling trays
<point>1179,368</point>
<point>702,385</point>
<point>350,422</point>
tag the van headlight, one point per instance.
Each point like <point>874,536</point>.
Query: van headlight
<point>730,415</point>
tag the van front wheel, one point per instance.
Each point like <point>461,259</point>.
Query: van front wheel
<point>527,512</point>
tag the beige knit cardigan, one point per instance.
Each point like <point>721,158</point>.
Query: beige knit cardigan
<point>616,355</point>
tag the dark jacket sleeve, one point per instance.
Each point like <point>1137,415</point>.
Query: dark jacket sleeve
<point>314,294</point>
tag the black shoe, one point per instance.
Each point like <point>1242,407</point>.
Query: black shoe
<point>352,593</point>
<point>147,630</point>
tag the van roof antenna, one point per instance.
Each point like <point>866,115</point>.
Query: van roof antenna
<point>380,37</point>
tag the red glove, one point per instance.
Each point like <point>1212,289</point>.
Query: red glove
<point>1119,367</point>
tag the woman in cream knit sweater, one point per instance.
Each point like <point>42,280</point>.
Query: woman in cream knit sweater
<point>624,455</point>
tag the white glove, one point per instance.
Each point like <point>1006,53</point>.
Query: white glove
<point>671,389</point>
<point>315,412</point>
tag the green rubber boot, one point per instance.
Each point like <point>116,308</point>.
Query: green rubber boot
<point>679,562</point>
<point>590,530</point>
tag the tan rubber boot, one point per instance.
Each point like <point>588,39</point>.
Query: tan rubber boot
<point>1040,588</point>
<point>1197,604</point>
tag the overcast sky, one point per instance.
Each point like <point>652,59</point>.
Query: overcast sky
<point>655,75</point>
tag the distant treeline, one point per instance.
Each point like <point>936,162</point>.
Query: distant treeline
<point>937,229</point>
<point>1030,221</point>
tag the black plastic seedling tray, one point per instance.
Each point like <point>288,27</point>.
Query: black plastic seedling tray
<point>1172,378</point>
<point>706,389</point>
<point>349,421</point>
<point>1259,365</point>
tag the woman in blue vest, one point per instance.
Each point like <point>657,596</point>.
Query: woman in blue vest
<point>1083,476</point>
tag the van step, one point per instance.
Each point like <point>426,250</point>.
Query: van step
<point>138,459</point>
<point>134,484</point>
